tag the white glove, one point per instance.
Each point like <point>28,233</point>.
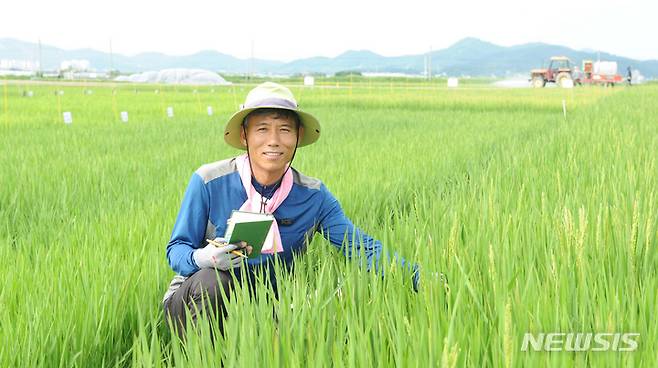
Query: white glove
<point>217,257</point>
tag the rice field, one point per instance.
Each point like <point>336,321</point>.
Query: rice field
<point>543,223</point>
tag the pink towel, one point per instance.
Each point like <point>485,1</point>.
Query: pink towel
<point>273,240</point>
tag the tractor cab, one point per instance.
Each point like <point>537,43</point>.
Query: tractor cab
<point>557,65</point>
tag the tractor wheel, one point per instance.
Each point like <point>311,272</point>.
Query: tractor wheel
<point>561,79</point>
<point>538,81</point>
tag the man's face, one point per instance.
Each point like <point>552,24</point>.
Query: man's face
<point>272,138</point>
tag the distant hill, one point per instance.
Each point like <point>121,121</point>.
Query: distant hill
<point>469,56</point>
<point>52,57</point>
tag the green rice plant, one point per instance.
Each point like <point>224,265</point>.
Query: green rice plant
<point>541,223</point>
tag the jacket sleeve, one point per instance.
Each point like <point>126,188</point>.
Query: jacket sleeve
<point>344,235</point>
<point>190,228</point>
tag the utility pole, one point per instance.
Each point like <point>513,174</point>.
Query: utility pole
<point>111,60</point>
<point>251,61</point>
<point>425,65</point>
<point>429,64</point>
<point>39,70</point>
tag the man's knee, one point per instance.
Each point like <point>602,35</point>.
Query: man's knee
<point>210,283</point>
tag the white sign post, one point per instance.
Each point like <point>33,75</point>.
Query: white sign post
<point>68,117</point>
<point>170,111</point>
<point>209,110</point>
<point>124,116</point>
<point>453,82</point>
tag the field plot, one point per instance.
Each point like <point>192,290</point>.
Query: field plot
<point>542,222</point>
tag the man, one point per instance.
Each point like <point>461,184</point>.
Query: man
<point>629,75</point>
<point>270,127</point>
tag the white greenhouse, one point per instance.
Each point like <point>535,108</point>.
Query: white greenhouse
<point>176,76</point>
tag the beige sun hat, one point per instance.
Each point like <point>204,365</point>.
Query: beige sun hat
<point>276,96</point>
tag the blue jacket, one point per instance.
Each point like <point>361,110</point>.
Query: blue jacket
<point>215,190</point>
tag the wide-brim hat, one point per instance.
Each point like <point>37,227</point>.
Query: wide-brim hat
<point>274,96</point>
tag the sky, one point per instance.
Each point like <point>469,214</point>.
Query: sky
<point>290,29</point>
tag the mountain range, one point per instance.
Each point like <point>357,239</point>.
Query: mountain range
<point>469,56</point>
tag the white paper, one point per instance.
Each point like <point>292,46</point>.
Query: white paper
<point>124,116</point>
<point>170,112</point>
<point>209,110</point>
<point>68,117</point>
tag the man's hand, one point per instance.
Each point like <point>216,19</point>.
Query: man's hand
<point>218,257</point>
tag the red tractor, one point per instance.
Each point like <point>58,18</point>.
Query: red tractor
<point>560,71</point>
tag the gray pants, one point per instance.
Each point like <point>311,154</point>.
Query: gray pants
<point>201,293</point>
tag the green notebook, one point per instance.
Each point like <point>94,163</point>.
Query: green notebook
<point>250,227</point>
